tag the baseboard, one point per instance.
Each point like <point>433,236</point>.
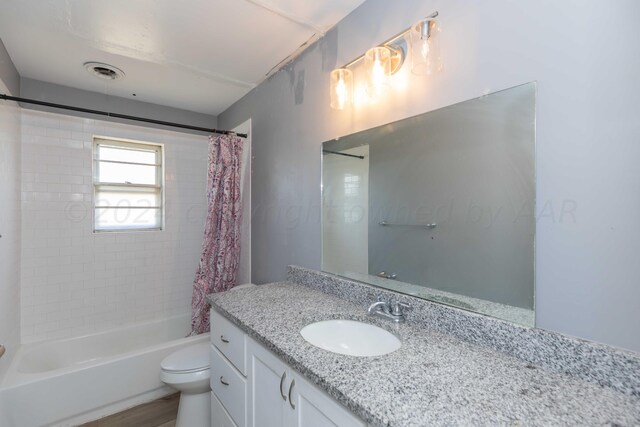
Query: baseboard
<point>114,408</point>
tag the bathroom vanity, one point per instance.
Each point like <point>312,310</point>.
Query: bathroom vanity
<point>251,386</point>
<point>453,367</point>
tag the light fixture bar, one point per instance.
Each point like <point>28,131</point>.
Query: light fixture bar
<point>389,42</point>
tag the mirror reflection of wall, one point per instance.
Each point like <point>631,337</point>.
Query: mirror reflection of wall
<point>440,205</point>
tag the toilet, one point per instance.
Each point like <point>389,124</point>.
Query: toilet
<point>187,370</point>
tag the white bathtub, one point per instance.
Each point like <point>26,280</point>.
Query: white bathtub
<point>71,381</point>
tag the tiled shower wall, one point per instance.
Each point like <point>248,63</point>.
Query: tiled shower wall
<point>10,231</point>
<point>75,281</point>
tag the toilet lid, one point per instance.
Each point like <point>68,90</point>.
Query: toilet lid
<point>192,358</point>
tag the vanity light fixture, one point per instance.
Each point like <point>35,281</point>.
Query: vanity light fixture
<point>385,60</point>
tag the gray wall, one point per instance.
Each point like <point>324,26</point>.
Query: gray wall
<point>8,73</point>
<point>588,203</point>
<point>469,168</point>
<point>50,92</point>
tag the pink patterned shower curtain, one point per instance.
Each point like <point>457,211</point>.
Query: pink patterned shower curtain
<point>221,245</point>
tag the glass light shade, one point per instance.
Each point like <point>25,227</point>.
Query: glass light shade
<point>425,48</point>
<point>341,88</point>
<point>377,62</point>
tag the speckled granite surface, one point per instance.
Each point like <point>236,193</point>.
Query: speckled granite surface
<point>433,379</point>
<point>589,361</point>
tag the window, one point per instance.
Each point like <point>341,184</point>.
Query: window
<point>352,208</point>
<point>128,185</point>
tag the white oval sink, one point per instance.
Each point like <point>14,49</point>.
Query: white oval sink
<point>350,337</point>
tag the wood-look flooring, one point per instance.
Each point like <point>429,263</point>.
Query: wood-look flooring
<point>159,413</point>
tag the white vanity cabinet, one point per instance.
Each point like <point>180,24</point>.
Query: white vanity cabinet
<point>280,397</point>
<point>268,387</point>
<point>312,407</point>
<point>251,387</point>
<point>228,373</point>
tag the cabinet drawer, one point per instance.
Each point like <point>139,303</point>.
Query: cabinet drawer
<point>229,387</point>
<point>219,416</point>
<point>230,340</point>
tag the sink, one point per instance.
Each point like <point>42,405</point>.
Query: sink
<point>350,337</point>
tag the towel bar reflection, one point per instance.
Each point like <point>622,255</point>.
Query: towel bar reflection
<point>388,224</point>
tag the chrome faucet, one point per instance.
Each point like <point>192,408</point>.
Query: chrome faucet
<point>394,310</point>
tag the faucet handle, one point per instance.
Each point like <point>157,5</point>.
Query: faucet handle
<point>379,306</point>
<point>388,302</point>
<point>398,308</point>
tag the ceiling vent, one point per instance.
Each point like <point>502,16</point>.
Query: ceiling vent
<point>104,71</point>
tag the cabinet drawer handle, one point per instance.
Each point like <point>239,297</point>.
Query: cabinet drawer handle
<point>293,383</point>
<point>223,339</point>
<point>284,375</point>
<point>223,381</point>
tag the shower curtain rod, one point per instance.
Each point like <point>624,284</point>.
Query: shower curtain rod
<point>342,154</point>
<point>119,116</point>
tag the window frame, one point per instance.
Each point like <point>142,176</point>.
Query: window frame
<point>160,179</point>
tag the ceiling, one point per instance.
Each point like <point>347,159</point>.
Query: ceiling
<point>198,55</point>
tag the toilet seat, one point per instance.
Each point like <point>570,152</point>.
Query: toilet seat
<point>193,378</point>
<point>187,369</point>
<point>191,359</point>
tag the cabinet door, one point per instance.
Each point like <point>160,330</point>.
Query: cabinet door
<point>314,408</point>
<point>268,380</point>
<point>219,416</point>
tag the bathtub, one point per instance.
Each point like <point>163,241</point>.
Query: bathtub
<point>71,381</point>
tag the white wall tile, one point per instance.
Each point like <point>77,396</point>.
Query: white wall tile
<point>10,177</point>
<point>77,282</point>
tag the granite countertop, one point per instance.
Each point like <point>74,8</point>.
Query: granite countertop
<point>433,379</point>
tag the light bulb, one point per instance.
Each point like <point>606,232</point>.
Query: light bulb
<point>425,49</point>
<point>341,88</point>
<point>377,61</point>
<point>378,74</point>
<point>341,93</point>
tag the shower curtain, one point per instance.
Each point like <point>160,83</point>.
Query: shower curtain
<point>219,262</point>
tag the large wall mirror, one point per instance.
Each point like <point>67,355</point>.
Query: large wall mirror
<point>440,205</point>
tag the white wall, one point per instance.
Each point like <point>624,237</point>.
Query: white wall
<point>10,230</point>
<point>584,56</point>
<point>76,282</point>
